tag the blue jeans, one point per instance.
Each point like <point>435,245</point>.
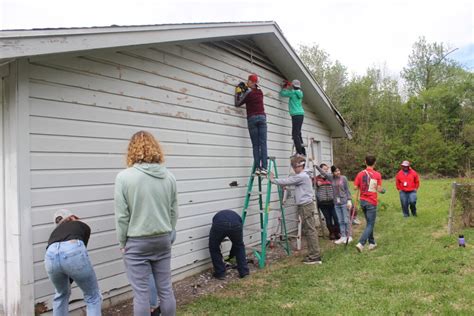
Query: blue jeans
<point>370,213</point>
<point>408,199</point>
<point>69,260</point>
<point>343,217</point>
<point>257,125</point>
<point>227,223</point>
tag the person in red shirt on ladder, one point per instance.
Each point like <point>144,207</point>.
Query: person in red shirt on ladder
<point>251,95</point>
<point>407,182</point>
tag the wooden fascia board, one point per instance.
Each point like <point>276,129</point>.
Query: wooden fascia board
<point>54,42</point>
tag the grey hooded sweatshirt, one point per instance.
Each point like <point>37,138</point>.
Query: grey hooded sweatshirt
<point>303,186</point>
<point>146,202</point>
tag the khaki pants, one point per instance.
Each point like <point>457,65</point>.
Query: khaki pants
<point>309,229</point>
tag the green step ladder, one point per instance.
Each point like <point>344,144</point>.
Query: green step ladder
<point>264,210</point>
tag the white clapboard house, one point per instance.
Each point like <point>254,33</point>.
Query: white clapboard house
<point>70,99</point>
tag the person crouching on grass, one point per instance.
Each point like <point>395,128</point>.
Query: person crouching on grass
<point>306,206</point>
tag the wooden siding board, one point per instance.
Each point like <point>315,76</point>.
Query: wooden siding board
<point>73,123</point>
<point>159,101</point>
<point>73,110</point>
<point>124,67</point>
<point>229,73</point>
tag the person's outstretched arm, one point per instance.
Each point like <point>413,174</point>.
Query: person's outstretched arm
<point>324,174</point>
<point>286,93</point>
<point>294,180</point>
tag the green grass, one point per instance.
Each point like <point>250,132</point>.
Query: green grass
<point>416,270</point>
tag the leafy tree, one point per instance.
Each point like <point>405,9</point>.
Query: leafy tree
<point>331,75</point>
<point>433,154</point>
<point>428,66</point>
<point>434,129</point>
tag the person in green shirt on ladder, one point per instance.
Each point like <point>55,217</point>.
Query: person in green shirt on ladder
<point>292,90</point>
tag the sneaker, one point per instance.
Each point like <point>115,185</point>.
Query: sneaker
<point>359,247</point>
<point>349,241</point>
<point>308,260</point>
<point>356,221</point>
<point>244,275</point>
<point>372,246</point>
<point>341,240</point>
<point>156,312</point>
<point>263,172</point>
<point>257,172</point>
<point>219,277</point>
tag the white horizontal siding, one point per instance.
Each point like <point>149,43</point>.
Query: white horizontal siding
<point>83,111</point>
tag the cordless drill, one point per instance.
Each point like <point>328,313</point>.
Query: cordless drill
<point>241,87</point>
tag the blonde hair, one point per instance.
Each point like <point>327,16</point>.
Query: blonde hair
<point>296,161</point>
<point>144,148</point>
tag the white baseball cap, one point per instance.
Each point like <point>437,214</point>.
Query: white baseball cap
<point>296,83</point>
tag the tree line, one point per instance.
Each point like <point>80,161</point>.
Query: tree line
<point>426,118</point>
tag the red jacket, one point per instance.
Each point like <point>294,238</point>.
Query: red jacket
<point>407,182</point>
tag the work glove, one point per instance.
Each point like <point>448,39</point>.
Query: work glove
<point>349,204</point>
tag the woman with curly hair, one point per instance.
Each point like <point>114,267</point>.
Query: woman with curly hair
<point>146,211</point>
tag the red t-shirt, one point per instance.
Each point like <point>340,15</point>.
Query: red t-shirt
<point>368,191</point>
<point>407,182</point>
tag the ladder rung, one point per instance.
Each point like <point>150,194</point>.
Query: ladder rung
<point>253,209</point>
<point>256,192</point>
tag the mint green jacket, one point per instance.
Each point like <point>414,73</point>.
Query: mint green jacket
<point>295,105</point>
<point>146,202</point>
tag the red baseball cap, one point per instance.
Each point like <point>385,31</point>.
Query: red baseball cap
<point>253,78</point>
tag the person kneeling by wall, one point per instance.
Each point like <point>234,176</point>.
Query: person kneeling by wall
<point>227,223</point>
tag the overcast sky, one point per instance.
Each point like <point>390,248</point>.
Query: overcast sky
<point>359,33</point>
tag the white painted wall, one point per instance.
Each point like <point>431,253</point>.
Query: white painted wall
<point>2,202</point>
<point>83,111</point>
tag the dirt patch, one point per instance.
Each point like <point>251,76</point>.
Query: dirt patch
<point>196,286</point>
<point>439,234</point>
